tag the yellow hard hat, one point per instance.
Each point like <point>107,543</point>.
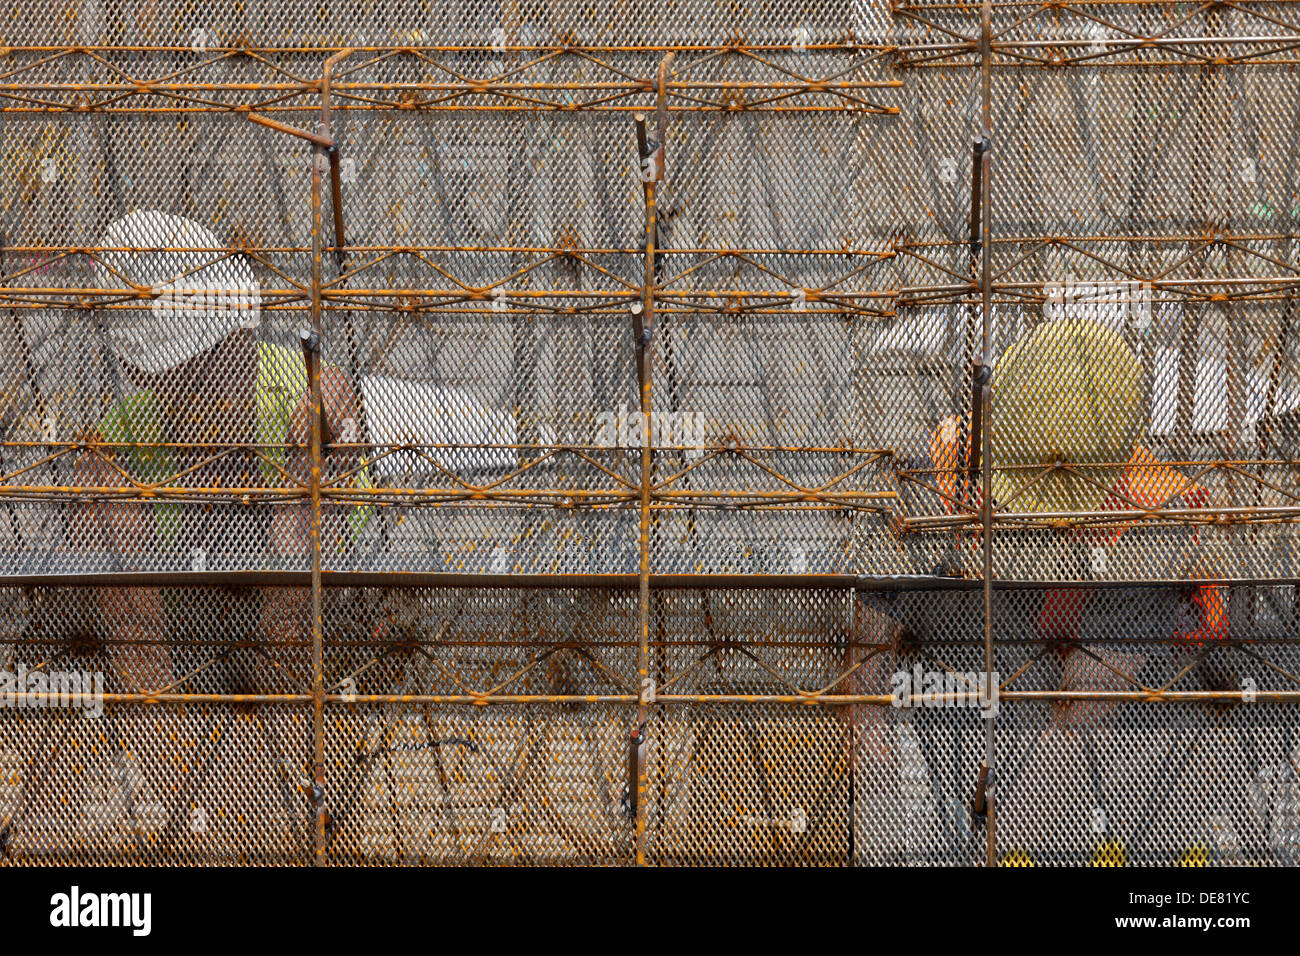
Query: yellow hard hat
<point>1071,392</point>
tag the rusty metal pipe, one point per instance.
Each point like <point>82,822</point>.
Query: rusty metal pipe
<point>316,139</point>
<point>336,187</point>
<point>399,580</point>
<point>643,326</point>
<point>319,153</point>
<point>989,770</point>
<point>314,533</point>
<point>811,699</point>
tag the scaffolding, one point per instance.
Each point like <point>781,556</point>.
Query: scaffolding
<point>582,432</point>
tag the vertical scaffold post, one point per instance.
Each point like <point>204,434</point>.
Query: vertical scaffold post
<point>651,160</point>
<point>322,157</point>
<point>984,374</point>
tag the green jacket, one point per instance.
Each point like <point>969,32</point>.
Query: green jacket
<point>281,381</point>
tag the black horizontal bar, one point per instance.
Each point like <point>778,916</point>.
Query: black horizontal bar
<point>616,581</point>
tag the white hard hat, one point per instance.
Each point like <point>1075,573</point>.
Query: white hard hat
<point>200,293</point>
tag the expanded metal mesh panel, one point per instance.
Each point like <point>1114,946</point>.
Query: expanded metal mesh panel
<point>1122,782</point>
<point>306,23</point>
<point>90,779</point>
<point>202,785</point>
<point>639,330</point>
<point>792,727</point>
<point>765,782</point>
<point>471,643</point>
<point>457,785</point>
<point>507,784</point>
<point>1190,789</point>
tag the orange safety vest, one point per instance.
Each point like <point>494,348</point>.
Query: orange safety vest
<point>1144,481</point>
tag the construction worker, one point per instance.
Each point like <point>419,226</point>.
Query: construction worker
<point>192,372</point>
<point>201,402</point>
<point>1065,439</point>
<point>1065,428</point>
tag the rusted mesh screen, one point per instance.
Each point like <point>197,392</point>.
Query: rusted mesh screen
<point>783,731</point>
<point>527,434</point>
